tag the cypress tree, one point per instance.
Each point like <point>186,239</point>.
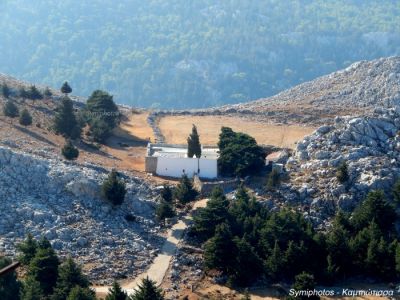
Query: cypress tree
<point>113,189</point>
<point>25,118</point>
<point>194,146</point>
<point>116,293</point>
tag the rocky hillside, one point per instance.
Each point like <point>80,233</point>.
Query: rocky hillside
<point>369,145</point>
<point>62,201</point>
<point>356,90</point>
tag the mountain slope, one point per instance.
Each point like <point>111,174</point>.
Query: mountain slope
<point>355,90</point>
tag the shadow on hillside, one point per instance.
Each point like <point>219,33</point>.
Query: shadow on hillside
<point>34,135</point>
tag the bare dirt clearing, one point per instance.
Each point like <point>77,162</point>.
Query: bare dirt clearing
<point>177,128</point>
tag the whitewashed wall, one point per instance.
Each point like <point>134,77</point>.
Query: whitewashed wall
<point>173,167</point>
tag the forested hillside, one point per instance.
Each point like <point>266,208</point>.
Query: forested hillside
<point>180,54</point>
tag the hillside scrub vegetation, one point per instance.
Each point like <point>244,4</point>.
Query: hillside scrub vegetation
<point>185,54</point>
<point>245,242</point>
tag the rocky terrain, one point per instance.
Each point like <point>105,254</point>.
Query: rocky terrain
<point>61,200</point>
<point>369,145</point>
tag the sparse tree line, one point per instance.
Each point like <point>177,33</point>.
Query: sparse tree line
<point>245,242</point>
<point>100,114</point>
<point>49,278</point>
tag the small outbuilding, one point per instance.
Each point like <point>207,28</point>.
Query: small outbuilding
<point>172,161</point>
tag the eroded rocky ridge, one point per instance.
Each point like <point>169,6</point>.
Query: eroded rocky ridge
<point>62,201</point>
<point>369,145</point>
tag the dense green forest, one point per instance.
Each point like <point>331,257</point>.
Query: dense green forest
<point>179,53</point>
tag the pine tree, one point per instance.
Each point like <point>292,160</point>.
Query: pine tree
<point>65,122</point>
<point>28,250</point>
<point>25,118</point>
<point>79,293</point>
<point>113,189</point>
<point>274,262</point>
<point>65,88</point>
<point>304,282</point>
<point>23,93</point>
<point>215,213</point>
<point>44,267</point>
<point>69,276</point>
<point>219,251</point>
<point>10,109</point>
<point>194,146</point>
<point>5,90</point>
<point>184,191</point>
<point>31,290</point>
<point>166,193</point>
<point>342,173</point>
<point>99,130</point>
<point>164,210</point>
<point>34,93</point>
<point>69,151</point>
<point>147,290</point>
<point>116,293</point>
<point>9,285</point>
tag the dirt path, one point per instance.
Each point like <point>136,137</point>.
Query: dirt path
<point>159,266</point>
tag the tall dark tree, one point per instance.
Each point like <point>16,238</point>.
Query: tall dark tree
<point>65,122</point>
<point>147,290</point>
<point>25,118</point>
<point>185,191</point>
<point>116,293</point>
<point>193,141</point>
<point>44,268</point>
<point>114,189</point>
<point>69,276</point>
<point>66,88</point>
<point>10,109</point>
<point>101,105</point>
<point>9,285</point>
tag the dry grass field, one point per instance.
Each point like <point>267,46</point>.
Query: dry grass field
<point>177,128</point>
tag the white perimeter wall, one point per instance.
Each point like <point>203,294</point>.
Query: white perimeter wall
<point>173,167</point>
